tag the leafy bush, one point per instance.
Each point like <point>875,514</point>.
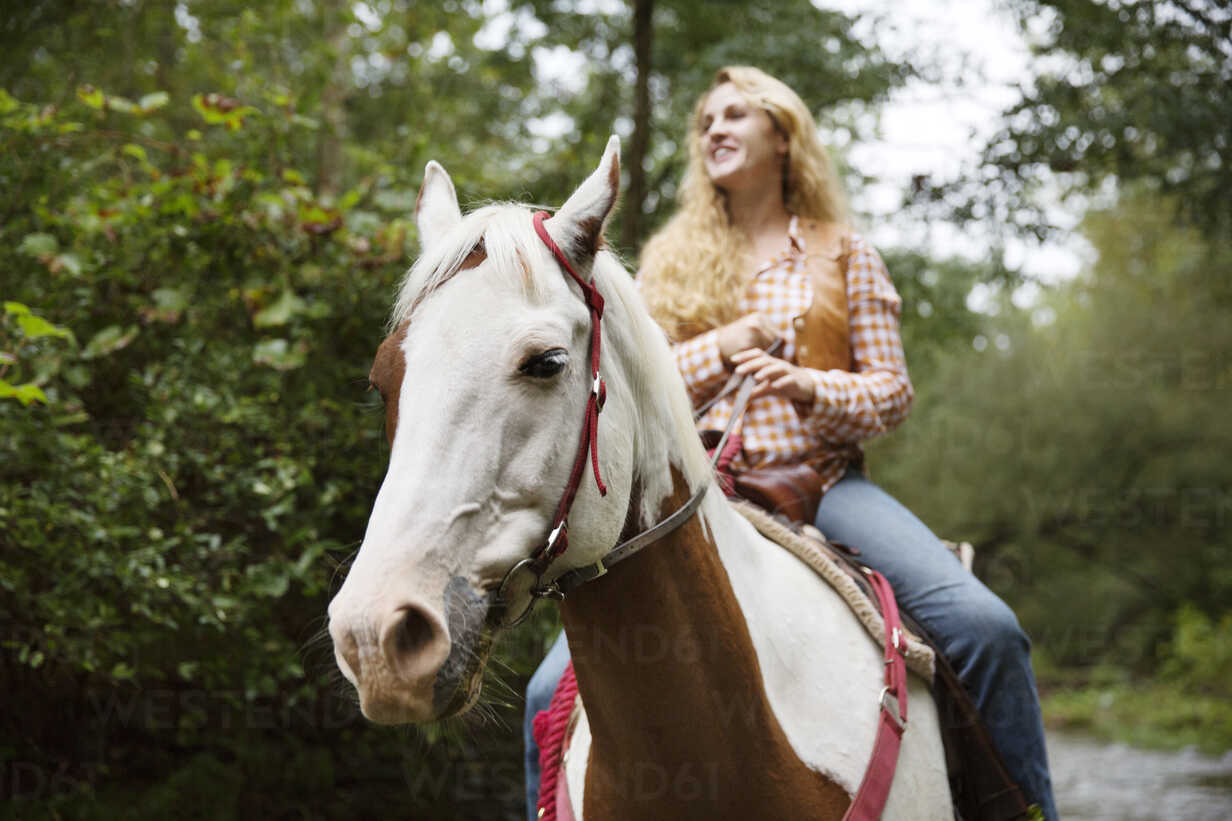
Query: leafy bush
<point>179,491</point>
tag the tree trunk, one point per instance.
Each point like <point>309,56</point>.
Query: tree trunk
<point>333,102</point>
<point>631,221</point>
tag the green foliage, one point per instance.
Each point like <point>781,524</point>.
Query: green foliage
<point>1187,702</point>
<point>1132,91</point>
<point>21,350</point>
<point>174,508</point>
<point>1081,449</point>
<point>1149,714</point>
<point>1200,653</point>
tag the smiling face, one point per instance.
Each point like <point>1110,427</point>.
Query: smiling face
<point>740,144</point>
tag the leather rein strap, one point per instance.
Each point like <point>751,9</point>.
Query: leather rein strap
<point>874,788</point>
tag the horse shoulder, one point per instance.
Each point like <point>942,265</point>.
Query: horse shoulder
<point>823,674</point>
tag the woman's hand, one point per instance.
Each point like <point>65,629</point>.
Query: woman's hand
<point>776,376</point>
<point>749,332</point>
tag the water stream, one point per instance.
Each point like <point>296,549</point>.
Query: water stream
<point>1096,781</point>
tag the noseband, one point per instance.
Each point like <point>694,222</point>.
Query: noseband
<point>588,443</point>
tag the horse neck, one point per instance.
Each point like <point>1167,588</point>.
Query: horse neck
<point>674,694</point>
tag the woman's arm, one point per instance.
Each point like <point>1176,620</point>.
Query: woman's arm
<point>875,398</point>
<point>701,364</point>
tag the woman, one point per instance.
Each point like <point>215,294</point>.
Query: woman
<point>727,275</point>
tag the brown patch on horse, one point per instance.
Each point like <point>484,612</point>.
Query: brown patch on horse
<point>477,255</point>
<point>680,721</point>
<point>474,257</point>
<point>528,277</point>
<point>388,369</point>
<point>590,238</point>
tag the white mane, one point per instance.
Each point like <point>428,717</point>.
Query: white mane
<point>635,353</point>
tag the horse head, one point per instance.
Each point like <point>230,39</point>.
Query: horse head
<point>485,379</point>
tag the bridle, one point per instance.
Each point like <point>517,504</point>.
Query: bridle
<point>588,444</point>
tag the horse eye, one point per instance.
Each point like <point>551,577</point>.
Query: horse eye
<point>545,365</point>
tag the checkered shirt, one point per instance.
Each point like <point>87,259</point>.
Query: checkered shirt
<point>849,406</point>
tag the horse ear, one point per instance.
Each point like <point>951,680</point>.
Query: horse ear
<point>580,220</point>
<point>436,207</point>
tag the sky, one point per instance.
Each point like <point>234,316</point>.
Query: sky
<point>937,128</point>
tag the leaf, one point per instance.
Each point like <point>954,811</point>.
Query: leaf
<point>277,354</point>
<point>92,97</point>
<point>109,340</point>
<point>171,299</point>
<point>25,394</point>
<point>216,109</point>
<point>35,327</point>
<point>134,150</point>
<point>281,311</point>
<point>122,104</point>
<point>265,580</point>
<point>66,262</point>
<point>39,245</point>
<point>153,102</point>
<point>169,305</point>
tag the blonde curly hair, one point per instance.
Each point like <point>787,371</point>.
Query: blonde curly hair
<point>692,271</point>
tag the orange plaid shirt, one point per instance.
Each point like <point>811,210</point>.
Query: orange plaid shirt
<point>850,406</point>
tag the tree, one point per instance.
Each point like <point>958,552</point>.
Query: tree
<point>676,55</point>
<point>1137,92</point>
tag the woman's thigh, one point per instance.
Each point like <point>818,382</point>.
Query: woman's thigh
<point>929,581</point>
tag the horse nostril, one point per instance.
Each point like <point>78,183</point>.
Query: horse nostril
<point>414,642</point>
<point>413,634</point>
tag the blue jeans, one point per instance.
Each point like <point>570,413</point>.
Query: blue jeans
<point>976,631</point>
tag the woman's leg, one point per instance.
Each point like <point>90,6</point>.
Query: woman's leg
<point>976,631</point>
<point>538,696</point>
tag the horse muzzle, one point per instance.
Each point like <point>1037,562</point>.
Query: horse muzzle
<point>393,655</point>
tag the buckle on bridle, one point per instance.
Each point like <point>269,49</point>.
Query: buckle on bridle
<point>889,703</point>
<point>535,590</point>
<point>502,592</point>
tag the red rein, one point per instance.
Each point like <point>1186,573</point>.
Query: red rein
<point>558,541</point>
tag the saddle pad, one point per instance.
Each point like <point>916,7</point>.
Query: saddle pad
<point>819,555</point>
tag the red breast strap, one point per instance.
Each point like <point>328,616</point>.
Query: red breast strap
<point>549,727</point>
<point>892,721</point>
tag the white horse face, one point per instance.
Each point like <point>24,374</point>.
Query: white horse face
<point>485,385</point>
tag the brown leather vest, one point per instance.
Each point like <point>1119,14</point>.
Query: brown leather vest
<point>823,336</point>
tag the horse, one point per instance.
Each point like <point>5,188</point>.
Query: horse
<point>721,677</point>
